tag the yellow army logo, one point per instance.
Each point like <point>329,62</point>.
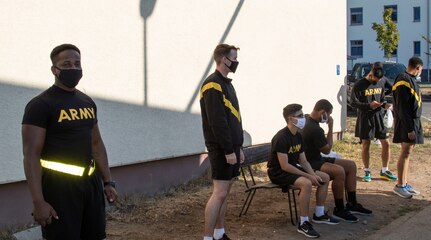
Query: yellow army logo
<point>76,114</point>
<point>294,149</point>
<point>373,91</point>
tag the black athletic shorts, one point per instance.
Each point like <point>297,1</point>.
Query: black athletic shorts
<point>370,126</point>
<point>220,169</point>
<point>316,165</point>
<point>283,178</point>
<point>401,133</point>
<point>79,203</point>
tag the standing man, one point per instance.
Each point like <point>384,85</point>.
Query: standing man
<point>368,96</point>
<point>342,172</point>
<point>222,128</point>
<point>408,127</point>
<point>65,160</point>
<point>288,166</point>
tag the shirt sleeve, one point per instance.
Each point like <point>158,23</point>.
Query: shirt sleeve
<point>355,101</point>
<point>402,95</point>
<point>319,139</point>
<point>215,111</point>
<point>36,113</point>
<point>280,144</point>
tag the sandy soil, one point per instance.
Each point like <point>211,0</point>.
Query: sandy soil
<point>178,214</point>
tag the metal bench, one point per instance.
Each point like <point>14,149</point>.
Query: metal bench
<point>260,154</point>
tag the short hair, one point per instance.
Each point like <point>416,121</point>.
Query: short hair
<point>323,104</point>
<point>290,109</point>
<point>377,65</point>
<point>60,48</point>
<point>222,50</point>
<point>415,62</point>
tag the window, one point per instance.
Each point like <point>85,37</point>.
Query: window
<point>417,48</point>
<point>356,48</point>
<point>394,16</point>
<point>416,14</point>
<point>356,16</point>
<point>394,54</point>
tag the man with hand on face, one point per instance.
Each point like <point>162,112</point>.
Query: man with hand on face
<point>408,127</point>
<point>289,166</point>
<point>368,96</point>
<point>222,128</point>
<point>65,159</point>
<point>342,172</point>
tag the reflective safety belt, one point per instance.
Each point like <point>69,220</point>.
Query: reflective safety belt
<point>68,168</point>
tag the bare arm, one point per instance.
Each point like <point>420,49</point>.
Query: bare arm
<point>33,139</point>
<point>101,158</point>
<point>327,148</point>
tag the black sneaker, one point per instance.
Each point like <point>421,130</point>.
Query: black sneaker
<point>358,209</point>
<point>307,229</point>
<point>345,215</point>
<point>325,219</point>
<point>225,237</point>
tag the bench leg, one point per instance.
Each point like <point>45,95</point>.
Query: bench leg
<point>292,220</point>
<point>247,202</point>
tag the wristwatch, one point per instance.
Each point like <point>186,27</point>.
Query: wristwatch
<point>110,183</point>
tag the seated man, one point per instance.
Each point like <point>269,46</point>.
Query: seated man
<point>341,171</point>
<point>288,166</point>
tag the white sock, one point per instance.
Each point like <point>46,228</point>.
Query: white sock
<point>218,233</point>
<point>384,169</point>
<point>320,211</point>
<point>367,169</point>
<point>208,238</point>
<point>303,219</point>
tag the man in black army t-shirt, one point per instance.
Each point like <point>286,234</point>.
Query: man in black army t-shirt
<point>65,158</point>
<point>289,166</point>
<point>408,127</point>
<point>368,96</point>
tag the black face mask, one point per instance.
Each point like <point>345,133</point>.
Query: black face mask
<point>378,73</point>
<point>233,65</point>
<point>69,77</point>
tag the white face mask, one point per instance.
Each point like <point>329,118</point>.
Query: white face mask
<point>324,120</point>
<point>300,123</point>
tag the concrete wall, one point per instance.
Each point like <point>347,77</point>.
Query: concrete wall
<point>409,30</point>
<point>144,61</point>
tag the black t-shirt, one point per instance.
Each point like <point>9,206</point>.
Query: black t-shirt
<point>68,118</point>
<point>285,142</point>
<point>364,92</point>
<point>314,139</point>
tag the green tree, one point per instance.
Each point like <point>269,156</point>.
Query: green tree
<point>387,33</point>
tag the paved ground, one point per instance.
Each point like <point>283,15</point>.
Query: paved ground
<point>409,227</point>
<point>426,110</point>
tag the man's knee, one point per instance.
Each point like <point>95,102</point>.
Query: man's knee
<point>304,184</point>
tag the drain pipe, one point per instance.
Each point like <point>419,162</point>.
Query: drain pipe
<point>428,44</point>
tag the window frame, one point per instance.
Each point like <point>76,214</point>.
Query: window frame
<point>415,44</point>
<point>417,14</point>
<point>356,14</point>
<point>359,47</point>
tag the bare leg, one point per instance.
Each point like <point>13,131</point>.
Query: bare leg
<point>304,184</point>
<point>403,162</point>
<point>322,191</point>
<point>386,154</point>
<point>366,152</point>
<point>338,176</point>
<point>214,204</point>
<point>222,214</point>
<point>350,172</point>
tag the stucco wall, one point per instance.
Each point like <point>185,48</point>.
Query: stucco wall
<point>144,61</point>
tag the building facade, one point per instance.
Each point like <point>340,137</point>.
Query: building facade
<point>144,62</point>
<point>413,23</point>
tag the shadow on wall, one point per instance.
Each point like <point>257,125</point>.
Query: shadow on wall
<point>132,133</point>
<point>146,8</point>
